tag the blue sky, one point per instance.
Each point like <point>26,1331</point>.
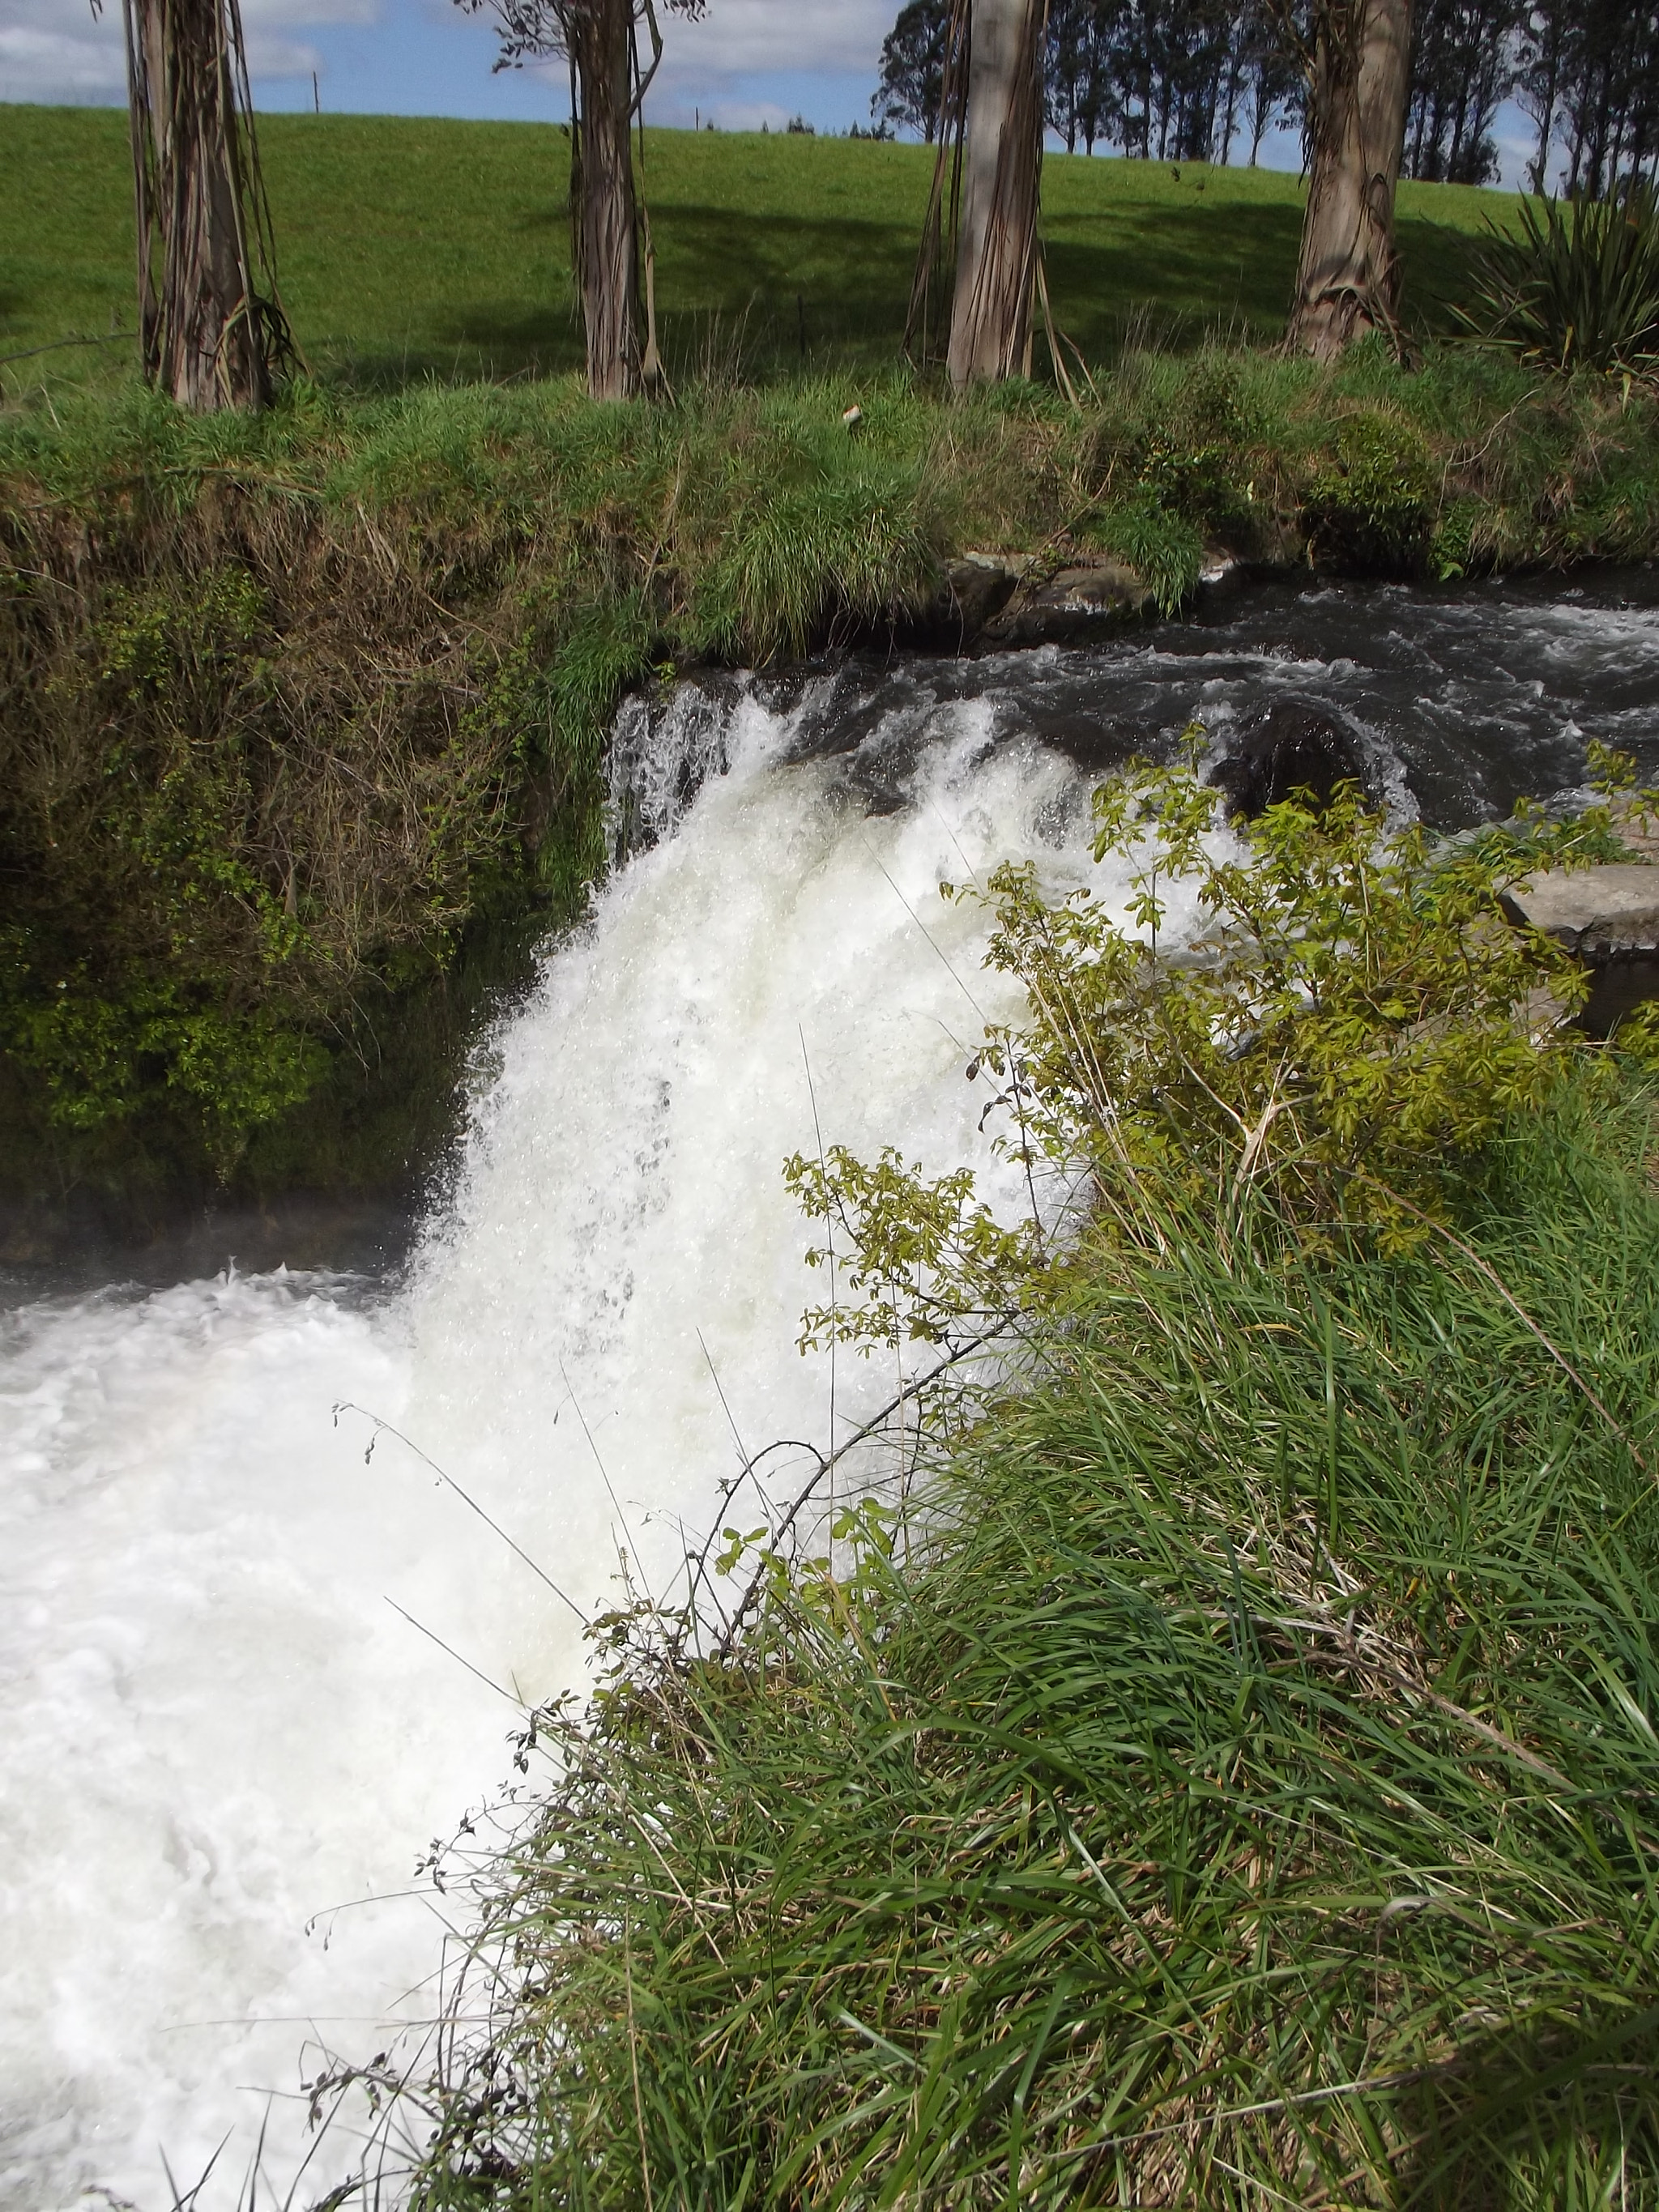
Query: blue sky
<point>748,62</point>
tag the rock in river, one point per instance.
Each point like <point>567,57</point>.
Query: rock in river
<point>1290,747</point>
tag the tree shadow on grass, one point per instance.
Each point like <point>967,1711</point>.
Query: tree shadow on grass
<point>1197,269</point>
<point>761,295</point>
<point>1437,262</point>
<point>737,297</point>
<point>1558,2119</point>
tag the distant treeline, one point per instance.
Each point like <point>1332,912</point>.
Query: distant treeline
<point>1208,80</point>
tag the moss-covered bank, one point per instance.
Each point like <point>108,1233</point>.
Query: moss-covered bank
<point>303,716</point>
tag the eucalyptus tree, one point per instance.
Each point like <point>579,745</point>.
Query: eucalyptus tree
<point>1002,171</point>
<point>987,174</point>
<point>1463,69</point>
<point>599,39</point>
<point>210,331</point>
<point>1588,80</point>
<point>1276,87</point>
<point>912,81</point>
<point>1356,55</point>
<point>1082,50</point>
<point>1610,97</point>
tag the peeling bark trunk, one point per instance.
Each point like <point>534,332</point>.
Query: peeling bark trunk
<point>208,337</point>
<point>1348,280</point>
<point>602,188</point>
<point>996,254</point>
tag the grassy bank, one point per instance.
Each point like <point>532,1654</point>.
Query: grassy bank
<point>415,247</point>
<point>304,713</point>
<point>1230,1778</point>
<point>1244,1792</point>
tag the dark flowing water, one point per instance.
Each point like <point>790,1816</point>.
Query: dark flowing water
<point>1464,701</point>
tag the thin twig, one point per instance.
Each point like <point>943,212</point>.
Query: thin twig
<point>916,1384</point>
<point>29,352</point>
<point>384,1428</point>
<point>488,1682</point>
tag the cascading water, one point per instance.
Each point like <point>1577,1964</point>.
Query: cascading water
<point>224,1747</point>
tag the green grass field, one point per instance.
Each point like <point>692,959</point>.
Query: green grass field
<point>411,247</point>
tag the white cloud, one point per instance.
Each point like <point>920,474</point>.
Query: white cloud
<point>712,65</point>
<point>284,14</point>
<point>726,67</point>
<point>745,62</point>
<point>740,38</point>
<point>56,50</point>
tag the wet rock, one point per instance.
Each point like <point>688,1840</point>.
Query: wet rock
<point>1637,829</point>
<point>1617,989</point>
<point>1072,606</point>
<point>975,590</point>
<point>1598,914</point>
<point>1290,747</point>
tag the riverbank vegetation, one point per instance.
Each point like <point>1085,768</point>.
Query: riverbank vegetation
<point>305,709</point>
<point>305,706</point>
<point>1215,1765</point>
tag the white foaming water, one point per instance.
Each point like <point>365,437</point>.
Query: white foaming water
<point>217,1728</point>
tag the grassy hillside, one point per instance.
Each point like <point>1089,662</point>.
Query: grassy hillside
<point>411,248</point>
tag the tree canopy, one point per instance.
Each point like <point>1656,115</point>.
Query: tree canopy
<point>1209,79</point>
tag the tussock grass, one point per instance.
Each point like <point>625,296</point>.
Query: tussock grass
<point>1243,1790</point>
<point>1575,286</point>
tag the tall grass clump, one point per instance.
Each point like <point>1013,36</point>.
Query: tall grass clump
<point>1578,287</point>
<point>1230,1778</point>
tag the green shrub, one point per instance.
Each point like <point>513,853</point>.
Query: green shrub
<point>1371,505</point>
<point>1352,1026</point>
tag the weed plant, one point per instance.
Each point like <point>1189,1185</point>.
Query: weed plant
<point>1230,1779</point>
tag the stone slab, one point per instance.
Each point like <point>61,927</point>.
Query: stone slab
<point>1596,913</point>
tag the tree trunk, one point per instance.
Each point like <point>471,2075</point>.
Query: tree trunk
<point>1348,280</point>
<point>204,331</point>
<point>602,190</point>
<point>1230,108</point>
<point>1538,167</point>
<point>996,254</point>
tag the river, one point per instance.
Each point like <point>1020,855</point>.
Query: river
<point>250,1667</point>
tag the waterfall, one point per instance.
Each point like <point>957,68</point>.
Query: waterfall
<point>222,1738</point>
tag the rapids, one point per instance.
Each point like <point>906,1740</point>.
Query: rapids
<point>232,1724</point>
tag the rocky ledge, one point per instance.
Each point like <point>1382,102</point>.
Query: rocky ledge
<point>1001,599</point>
<point>1597,914</point>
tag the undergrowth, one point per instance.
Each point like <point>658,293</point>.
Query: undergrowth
<point>1224,1771</point>
<point>297,706</point>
